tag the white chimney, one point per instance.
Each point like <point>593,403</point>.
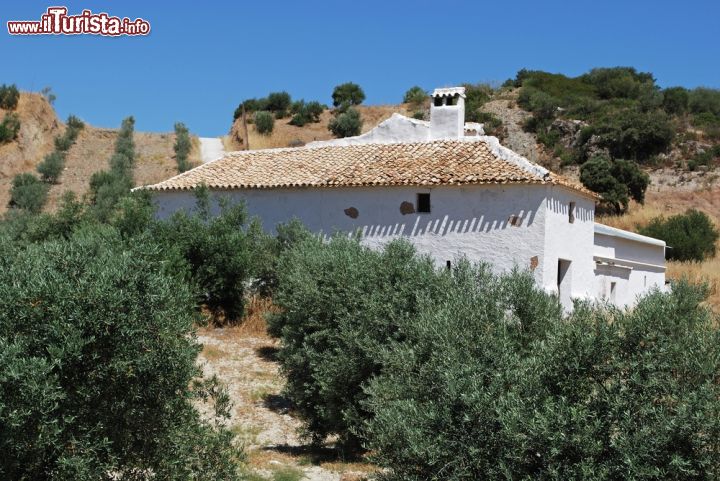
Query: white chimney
<point>447,113</point>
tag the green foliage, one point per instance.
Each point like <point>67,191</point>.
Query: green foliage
<point>619,82</point>
<point>704,158</point>
<point>492,125</point>
<point>215,251</point>
<point>475,97</point>
<point>346,124</point>
<point>634,134</point>
<point>9,127</point>
<point>691,236</point>
<point>98,366</point>
<point>616,181</point>
<point>52,166</point>
<point>28,193</point>
<point>492,382</point>
<point>251,106</point>
<point>264,122</point>
<point>416,96</point>
<point>338,300</point>
<point>108,187</point>
<point>675,100</point>
<point>279,103</point>
<point>182,147</point>
<point>304,113</point>
<point>348,94</point>
<point>704,100</point>
<point>9,96</point>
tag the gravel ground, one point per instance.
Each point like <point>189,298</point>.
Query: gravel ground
<point>261,417</point>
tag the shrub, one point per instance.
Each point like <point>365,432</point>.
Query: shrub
<point>703,100</point>
<point>492,125</point>
<point>9,96</point>
<point>633,134</point>
<point>348,94</point>
<point>305,113</point>
<point>618,82</point>
<point>346,124</point>
<point>28,193</point>
<point>182,147</point>
<point>98,367</point>
<point>106,190</point>
<point>215,251</point>
<point>675,100</point>
<point>264,123</point>
<point>475,97</point>
<point>74,123</point>
<point>63,143</point>
<point>691,236</point>
<point>479,389</point>
<point>52,166</point>
<point>616,181</point>
<point>279,103</point>
<point>9,127</point>
<point>339,299</point>
<point>415,96</point>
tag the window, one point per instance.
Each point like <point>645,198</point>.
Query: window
<point>423,203</point>
<point>571,212</point>
<point>613,285</point>
<point>448,264</point>
<point>452,100</point>
<point>438,101</point>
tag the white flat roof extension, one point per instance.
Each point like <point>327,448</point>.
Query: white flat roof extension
<point>613,232</point>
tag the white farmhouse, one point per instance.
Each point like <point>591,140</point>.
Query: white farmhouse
<point>448,189</point>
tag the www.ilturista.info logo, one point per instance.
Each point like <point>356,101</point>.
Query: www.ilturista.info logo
<point>57,22</point>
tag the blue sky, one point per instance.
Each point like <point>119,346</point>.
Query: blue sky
<point>203,58</point>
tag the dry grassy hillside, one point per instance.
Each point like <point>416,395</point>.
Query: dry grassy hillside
<point>89,154</point>
<point>286,135</point>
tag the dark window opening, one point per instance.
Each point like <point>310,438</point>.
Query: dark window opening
<point>438,101</point>
<point>423,203</point>
<point>452,100</point>
<point>571,212</point>
<point>448,264</point>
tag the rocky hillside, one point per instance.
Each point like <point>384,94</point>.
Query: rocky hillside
<point>39,125</point>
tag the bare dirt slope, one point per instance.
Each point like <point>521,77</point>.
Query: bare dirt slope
<point>91,152</point>
<point>38,127</point>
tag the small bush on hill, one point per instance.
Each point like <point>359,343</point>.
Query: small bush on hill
<point>616,181</point>
<point>348,94</point>
<point>98,367</point>
<point>9,127</point>
<point>279,103</point>
<point>492,125</point>
<point>675,100</point>
<point>52,166</point>
<point>702,100</point>
<point>691,236</point>
<point>28,193</point>
<point>475,97</point>
<point>633,134</point>
<point>416,96</point>
<point>182,147</point>
<point>305,113</point>
<point>264,123</point>
<point>9,96</point>
<point>346,124</point>
<point>618,82</point>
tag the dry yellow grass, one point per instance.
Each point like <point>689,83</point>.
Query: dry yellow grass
<point>666,203</point>
<point>286,135</point>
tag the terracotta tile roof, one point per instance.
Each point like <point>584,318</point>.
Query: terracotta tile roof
<point>440,162</point>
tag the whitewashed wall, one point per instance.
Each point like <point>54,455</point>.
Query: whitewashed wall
<point>569,241</point>
<point>472,221</point>
<point>637,266</point>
